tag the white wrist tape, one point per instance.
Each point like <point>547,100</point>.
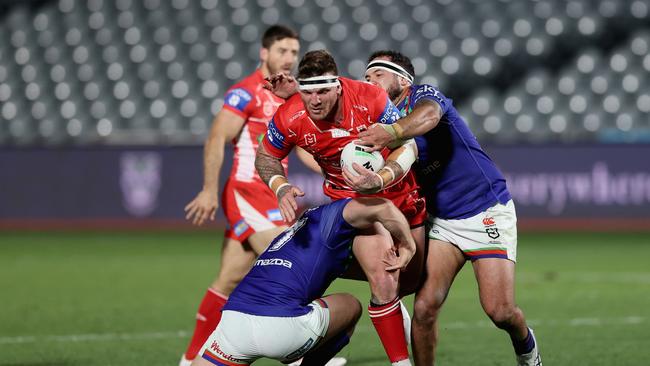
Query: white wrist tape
<point>407,157</point>
<point>273,178</point>
<point>280,187</point>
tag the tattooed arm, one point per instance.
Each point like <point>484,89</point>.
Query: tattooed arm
<point>271,171</point>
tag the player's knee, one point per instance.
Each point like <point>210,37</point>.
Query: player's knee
<point>425,311</point>
<point>501,314</point>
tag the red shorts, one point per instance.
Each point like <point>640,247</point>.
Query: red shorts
<point>249,208</point>
<point>411,204</point>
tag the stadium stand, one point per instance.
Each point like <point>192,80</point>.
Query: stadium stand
<point>153,71</point>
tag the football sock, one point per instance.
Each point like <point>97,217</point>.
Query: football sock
<point>525,345</point>
<point>326,351</point>
<point>388,323</point>
<point>207,319</point>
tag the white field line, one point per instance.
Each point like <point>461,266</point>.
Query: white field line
<point>107,337</point>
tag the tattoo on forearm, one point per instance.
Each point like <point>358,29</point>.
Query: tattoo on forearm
<point>267,166</point>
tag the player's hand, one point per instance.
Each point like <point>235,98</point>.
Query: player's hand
<point>202,207</point>
<point>281,85</point>
<point>287,202</point>
<point>365,182</point>
<point>402,257</point>
<point>376,137</point>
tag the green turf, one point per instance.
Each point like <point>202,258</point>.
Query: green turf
<point>130,298</point>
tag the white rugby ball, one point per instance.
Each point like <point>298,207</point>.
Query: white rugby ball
<point>355,153</point>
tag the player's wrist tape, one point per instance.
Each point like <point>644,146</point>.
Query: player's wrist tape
<point>392,175</point>
<point>407,157</point>
<point>394,130</point>
<point>276,182</point>
<point>381,181</point>
<point>280,187</point>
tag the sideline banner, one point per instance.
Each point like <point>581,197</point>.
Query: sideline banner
<point>98,183</point>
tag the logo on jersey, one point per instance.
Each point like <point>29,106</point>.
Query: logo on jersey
<point>238,99</point>
<point>361,128</point>
<point>268,108</point>
<point>310,139</point>
<point>390,113</point>
<point>492,232</point>
<point>296,116</point>
<point>429,92</point>
<point>288,234</point>
<point>240,227</point>
<point>274,262</point>
<point>337,132</point>
<point>276,138</point>
<point>274,215</point>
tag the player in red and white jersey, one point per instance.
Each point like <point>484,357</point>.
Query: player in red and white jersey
<point>249,206</point>
<point>326,114</point>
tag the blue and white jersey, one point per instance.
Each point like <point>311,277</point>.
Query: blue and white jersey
<point>457,177</point>
<point>298,265</point>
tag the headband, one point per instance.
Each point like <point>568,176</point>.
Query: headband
<point>390,67</point>
<point>318,82</point>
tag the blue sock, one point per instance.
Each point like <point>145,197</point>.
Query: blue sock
<point>524,346</point>
<point>326,351</point>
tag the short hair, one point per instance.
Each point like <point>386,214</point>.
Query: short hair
<point>396,57</point>
<point>276,33</point>
<point>316,63</point>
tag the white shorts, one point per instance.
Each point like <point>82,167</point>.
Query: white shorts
<point>490,234</point>
<point>241,338</point>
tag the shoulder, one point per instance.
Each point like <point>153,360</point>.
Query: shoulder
<point>361,88</point>
<point>291,110</point>
<point>246,87</point>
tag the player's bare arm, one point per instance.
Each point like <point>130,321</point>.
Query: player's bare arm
<point>397,165</point>
<point>308,160</point>
<point>364,212</point>
<point>425,116</point>
<point>225,127</point>
<point>271,171</point>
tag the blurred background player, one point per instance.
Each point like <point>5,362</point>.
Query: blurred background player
<point>277,310</point>
<point>473,216</point>
<point>328,113</point>
<point>250,208</point>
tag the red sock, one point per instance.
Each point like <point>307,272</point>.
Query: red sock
<point>387,320</point>
<point>207,319</point>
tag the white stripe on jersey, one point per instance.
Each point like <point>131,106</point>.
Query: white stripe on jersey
<point>253,218</point>
<point>245,158</point>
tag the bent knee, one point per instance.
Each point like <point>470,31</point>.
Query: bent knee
<point>502,315</point>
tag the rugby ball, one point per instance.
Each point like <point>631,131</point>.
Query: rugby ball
<point>355,153</point>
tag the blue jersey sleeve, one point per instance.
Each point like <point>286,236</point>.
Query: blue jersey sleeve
<point>238,99</point>
<point>429,92</point>
<point>390,113</point>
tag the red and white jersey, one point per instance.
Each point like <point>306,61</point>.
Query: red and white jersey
<point>256,105</point>
<point>363,104</point>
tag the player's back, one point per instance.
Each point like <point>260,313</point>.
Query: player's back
<point>298,265</point>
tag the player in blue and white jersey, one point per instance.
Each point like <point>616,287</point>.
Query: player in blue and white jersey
<point>278,311</point>
<point>471,211</point>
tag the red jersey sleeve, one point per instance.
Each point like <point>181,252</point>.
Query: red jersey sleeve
<point>277,141</point>
<point>382,109</point>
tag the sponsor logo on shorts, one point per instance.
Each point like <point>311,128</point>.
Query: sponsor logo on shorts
<point>214,347</point>
<point>274,262</point>
<point>240,227</point>
<point>492,232</point>
<point>301,351</point>
<point>274,215</point>
<point>488,221</point>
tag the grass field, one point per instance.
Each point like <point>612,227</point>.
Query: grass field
<point>130,298</point>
